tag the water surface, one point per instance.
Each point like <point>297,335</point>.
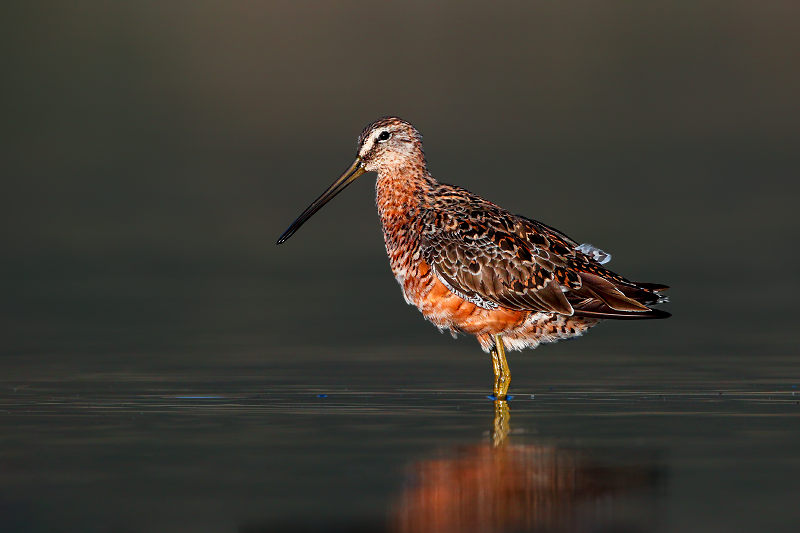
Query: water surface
<point>158,405</point>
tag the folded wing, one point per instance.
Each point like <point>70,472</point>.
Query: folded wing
<point>493,259</point>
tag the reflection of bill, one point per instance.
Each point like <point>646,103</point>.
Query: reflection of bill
<point>504,487</point>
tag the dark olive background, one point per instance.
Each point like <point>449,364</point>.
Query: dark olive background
<point>153,152</point>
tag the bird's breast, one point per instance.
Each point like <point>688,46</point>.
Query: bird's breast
<point>400,203</point>
<point>401,206</point>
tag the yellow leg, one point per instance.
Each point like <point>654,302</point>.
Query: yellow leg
<point>502,375</point>
<point>501,425</point>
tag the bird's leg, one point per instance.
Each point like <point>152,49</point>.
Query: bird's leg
<point>502,375</point>
<point>496,365</point>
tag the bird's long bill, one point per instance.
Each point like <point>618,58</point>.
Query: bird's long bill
<point>349,176</point>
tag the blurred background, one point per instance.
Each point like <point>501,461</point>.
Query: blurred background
<point>152,140</point>
<point>153,152</point>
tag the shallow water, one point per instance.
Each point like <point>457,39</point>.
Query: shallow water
<point>168,405</point>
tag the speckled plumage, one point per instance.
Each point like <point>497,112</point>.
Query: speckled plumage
<point>472,267</point>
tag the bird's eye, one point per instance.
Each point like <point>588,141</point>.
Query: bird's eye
<point>384,136</point>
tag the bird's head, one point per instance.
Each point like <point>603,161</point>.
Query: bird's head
<point>387,144</point>
<point>390,143</point>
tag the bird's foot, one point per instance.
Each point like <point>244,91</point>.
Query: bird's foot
<point>495,398</point>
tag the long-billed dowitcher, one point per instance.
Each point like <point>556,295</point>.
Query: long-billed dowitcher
<point>472,267</point>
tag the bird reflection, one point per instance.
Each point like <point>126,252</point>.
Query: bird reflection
<point>500,486</point>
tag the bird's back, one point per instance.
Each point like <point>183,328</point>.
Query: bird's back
<point>464,260</point>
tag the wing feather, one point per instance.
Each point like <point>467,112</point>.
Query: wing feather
<point>481,252</point>
<point>493,258</point>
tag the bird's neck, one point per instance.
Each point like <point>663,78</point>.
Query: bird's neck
<point>402,197</point>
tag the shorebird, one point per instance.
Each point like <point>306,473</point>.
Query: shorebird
<point>472,267</point>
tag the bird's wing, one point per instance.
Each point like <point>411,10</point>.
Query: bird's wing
<point>601,292</point>
<point>492,258</point>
